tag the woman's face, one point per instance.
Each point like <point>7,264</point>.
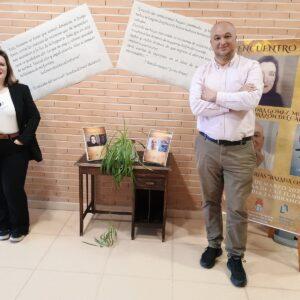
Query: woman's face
<point>258,138</point>
<point>3,69</point>
<point>269,73</point>
<point>93,139</point>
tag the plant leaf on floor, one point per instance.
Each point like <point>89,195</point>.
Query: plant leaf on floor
<point>106,239</point>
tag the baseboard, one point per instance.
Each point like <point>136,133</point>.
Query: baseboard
<point>53,205</point>
<point>171,213</point>
<point>186,214</point>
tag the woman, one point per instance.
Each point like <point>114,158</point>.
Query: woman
<point>19,119</point>
<point>270,97</point>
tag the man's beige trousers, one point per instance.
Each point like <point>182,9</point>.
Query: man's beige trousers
<point>228,168</point>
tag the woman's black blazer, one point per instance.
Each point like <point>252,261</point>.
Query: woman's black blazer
<point>28,118</point>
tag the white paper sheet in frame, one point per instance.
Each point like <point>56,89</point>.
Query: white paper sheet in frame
<point>164,45</point>
<point>58,53</point>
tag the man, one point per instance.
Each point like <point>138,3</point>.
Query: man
<point>263,159</point>
<point>223,96</point>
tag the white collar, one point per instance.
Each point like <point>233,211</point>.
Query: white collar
<point>229,64</point>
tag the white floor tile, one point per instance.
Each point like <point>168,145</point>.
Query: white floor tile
<point>263,242</point>
<point>97,227</point>
<point>272,269</point>
<point>271,294</point>
<point>93,226</point>
<point>186,265</point>
<point>11,281</point>
<point>48,221</point>
<point>49,285</point>
<point>137,258</point>
<point>196,291</point>
<point>134,288</point>
<point>72,225</point>
<point>189,231</point>
<point>69,253</point>
<point>27,253</point>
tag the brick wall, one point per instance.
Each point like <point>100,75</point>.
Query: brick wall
<point>145,103</point>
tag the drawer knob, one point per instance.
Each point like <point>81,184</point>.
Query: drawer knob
<point>150,183</point>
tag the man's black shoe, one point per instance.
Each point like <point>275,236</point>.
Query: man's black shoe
<point>238,275</point>
<point>209,256</point>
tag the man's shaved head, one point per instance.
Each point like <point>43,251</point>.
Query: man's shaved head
<point>223,24</point>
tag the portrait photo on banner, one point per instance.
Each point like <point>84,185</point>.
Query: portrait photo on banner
<point>264,141</point>
<point>279,74</point>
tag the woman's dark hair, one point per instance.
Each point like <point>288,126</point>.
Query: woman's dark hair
<point>10,78</point>
<point>273,60</point>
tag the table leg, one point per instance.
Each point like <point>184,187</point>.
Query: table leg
<point>87,190</point>
<point>133,214</point>
<point>298,251</point>
<point>132,231</point>
<point>93,193</point>
<point>80,203</point>
<point>163,232</point>
<point>165,211</point>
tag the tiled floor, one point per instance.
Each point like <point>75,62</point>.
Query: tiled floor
<point>53,263</point>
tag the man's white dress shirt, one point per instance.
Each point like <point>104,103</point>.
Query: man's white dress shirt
<point>232,116</point>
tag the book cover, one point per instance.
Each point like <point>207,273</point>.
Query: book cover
<point>95,139</point>
<point>158,146</point>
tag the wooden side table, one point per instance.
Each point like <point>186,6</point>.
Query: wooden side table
<point>149,201</point>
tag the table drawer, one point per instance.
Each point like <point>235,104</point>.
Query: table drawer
<point>150,183</point>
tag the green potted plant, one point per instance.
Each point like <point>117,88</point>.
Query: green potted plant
<point>120,157</point>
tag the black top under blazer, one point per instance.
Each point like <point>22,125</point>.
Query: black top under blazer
<point>28,118</point>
